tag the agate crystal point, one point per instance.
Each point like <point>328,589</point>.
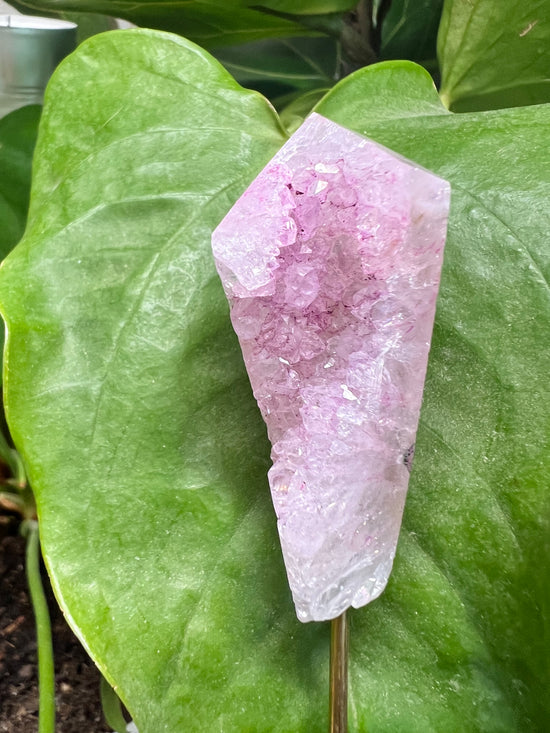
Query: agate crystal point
<point>331,262</point>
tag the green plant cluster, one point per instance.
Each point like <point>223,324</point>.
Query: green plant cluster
<point>128,402</point>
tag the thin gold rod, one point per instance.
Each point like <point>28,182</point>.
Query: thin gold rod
<point>338,700</point>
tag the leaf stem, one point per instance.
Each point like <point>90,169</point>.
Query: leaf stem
<point>338,698</point>
<point>356,38</point>
<point>46,676</point>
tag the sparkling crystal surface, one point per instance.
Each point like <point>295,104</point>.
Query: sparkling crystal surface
<point>331,262</point>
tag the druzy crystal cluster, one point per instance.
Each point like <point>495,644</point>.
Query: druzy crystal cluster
<point>331,263</point>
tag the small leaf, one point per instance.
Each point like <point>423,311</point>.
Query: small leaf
<point>494,53</point>
<point>112,707</point>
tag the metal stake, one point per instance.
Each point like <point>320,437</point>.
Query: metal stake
<point>338,700</point>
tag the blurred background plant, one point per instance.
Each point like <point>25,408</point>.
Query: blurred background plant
<point>490,56</point>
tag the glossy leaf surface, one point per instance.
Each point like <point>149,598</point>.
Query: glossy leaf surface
<point>127,397</point>
<point>154,529</point>
<point>456,641</point>
<point>494,53</point>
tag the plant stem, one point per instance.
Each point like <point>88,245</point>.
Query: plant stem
<point>339,650</point>
<point>356,38</point>
<point>46,676</point>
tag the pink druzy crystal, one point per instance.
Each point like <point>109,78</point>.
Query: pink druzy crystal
<point>331,262</point>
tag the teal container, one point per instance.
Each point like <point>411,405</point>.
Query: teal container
<point>30,49</point>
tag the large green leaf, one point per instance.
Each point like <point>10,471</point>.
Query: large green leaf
<point>159,514</point>
<point>494,53</point>
<point>208,22</point>
<point>460,640</point>
<point>127,398</point>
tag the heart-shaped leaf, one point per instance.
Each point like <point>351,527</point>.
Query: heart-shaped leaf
<point>127,397</point>
<point>494,53</point>
<point>457,641</point>
<point>156,513</point>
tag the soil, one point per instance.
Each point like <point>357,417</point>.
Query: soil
<point>77,679</point>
